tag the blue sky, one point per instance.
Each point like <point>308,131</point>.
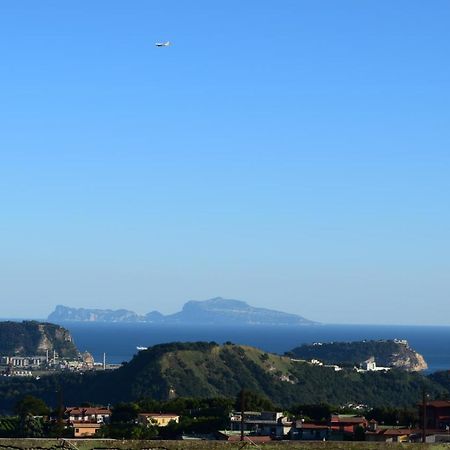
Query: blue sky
<point>293,154</point>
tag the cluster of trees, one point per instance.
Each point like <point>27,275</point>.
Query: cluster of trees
<point>33,418</point>
<point>29,419</point>
<point>197,416</point>
<point>384,415</point>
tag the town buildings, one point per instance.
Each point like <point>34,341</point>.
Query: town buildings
<point>37,365</point>
<point>264,423</point>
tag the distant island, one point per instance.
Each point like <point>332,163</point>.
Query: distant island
<point>393,353</point>
<point>217,311</point>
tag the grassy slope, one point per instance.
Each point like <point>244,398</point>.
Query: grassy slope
<point>209,370</point>
<point>224,370</point>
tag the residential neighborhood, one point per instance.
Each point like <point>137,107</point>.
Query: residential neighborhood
<point>84,422</point>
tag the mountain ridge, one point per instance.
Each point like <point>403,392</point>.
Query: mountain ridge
<point>207,369</point>
<point>213,311</point>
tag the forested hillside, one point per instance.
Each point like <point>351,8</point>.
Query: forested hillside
<point>209,370</point>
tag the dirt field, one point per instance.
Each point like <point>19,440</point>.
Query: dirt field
<point>99,444</point>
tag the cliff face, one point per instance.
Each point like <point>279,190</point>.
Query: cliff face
<point>409,360</point>
<point>33,338</point>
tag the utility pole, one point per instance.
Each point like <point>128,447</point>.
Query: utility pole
<point>104,361</point>
<point>242,395</point>
<point>424,415</point>
<point>60,410</point>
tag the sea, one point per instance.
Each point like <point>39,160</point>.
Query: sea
<point>119,341</point>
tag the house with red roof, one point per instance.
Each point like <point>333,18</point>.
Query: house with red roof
<point>87,414</point>
<point>437,413</point>
<point>309,431</point>
<point>347,423</point>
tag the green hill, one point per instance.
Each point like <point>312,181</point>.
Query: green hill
<point>209,370</point>
<point>31,338</point>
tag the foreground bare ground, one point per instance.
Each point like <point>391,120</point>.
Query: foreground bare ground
<point>99,444</point>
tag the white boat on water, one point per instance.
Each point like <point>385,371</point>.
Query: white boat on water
<point>141,348</point>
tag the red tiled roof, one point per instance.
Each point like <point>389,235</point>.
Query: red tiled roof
<point>87,411</point>
<point>439,403</point>
<point>344,420</point>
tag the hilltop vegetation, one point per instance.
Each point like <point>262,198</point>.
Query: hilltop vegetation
<point>209,370</point>
<point>34,338</point>
<point>442,378</point>
<point>388,353</point>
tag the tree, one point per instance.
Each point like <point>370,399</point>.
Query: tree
<point>30,426</point>
<point>253,401</point>
<point>320,412</point>
<point>144,432</point>
<point>27,409</point>
<point>124,413</point>
<point>360,434</point>
<point>30,405</point>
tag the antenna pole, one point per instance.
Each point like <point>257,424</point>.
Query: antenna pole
<point>242,395</point>
<point>424,415</point>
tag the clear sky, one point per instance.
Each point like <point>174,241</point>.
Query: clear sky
<point>294,154</point>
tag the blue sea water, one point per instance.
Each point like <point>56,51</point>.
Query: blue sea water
<point>119,340</point>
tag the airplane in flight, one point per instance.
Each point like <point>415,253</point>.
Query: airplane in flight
<point>162,44</point>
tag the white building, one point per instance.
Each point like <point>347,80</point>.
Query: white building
<point>371,366</point>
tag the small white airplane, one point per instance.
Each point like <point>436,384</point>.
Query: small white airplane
<point>162,44</point>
